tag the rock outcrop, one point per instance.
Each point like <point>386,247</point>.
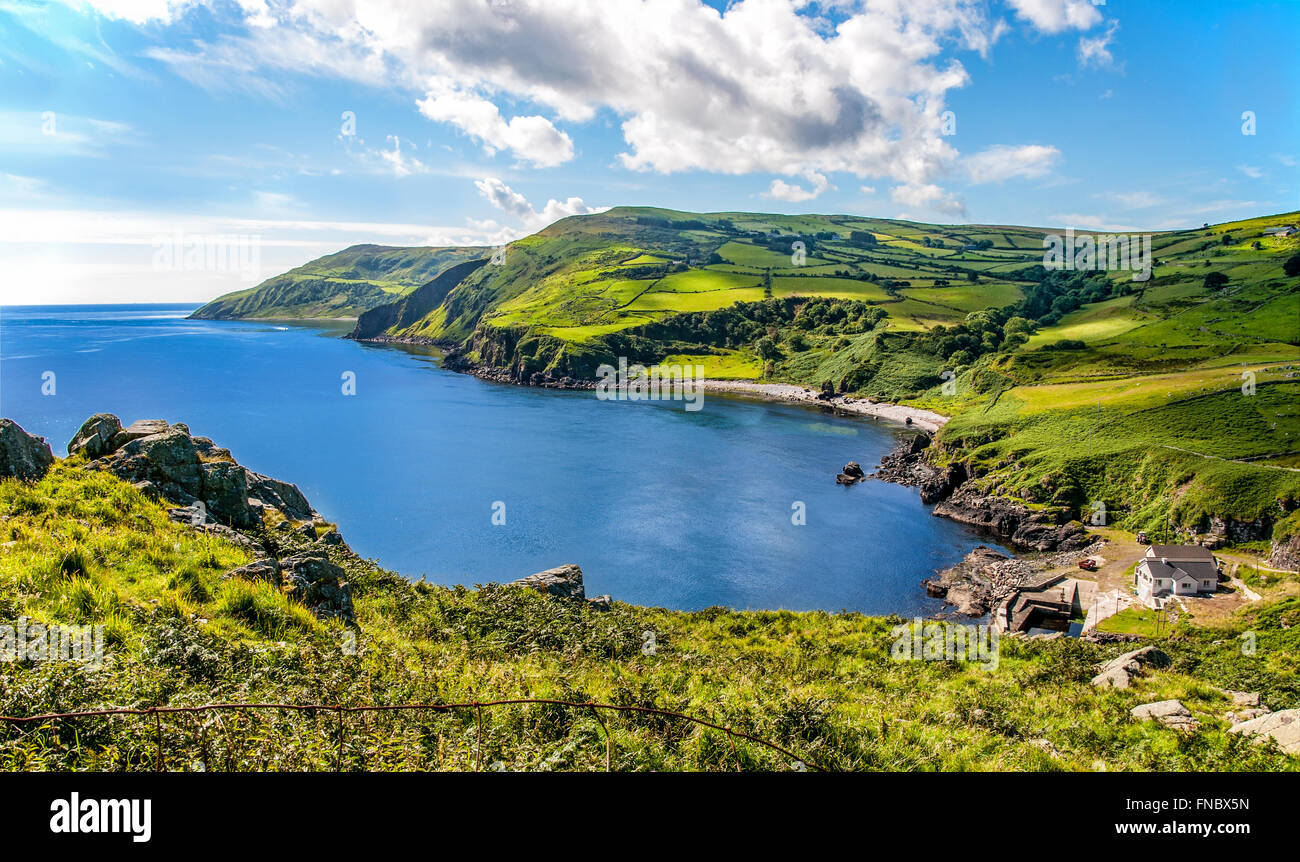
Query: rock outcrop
<point>1286,553</point>
<point>1170,713</point>
<point>23,456</point>
<point>1120,672</point>
<point>1282,726</point>
<point>166,461</point>
<point>564,582</point>
<point>981,580</point>
<point>320,585</point>
<point>1012,522</point>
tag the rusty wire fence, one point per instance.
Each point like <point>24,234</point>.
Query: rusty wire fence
<point>160,760</point>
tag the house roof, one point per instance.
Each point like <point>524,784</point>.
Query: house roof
<point>1181,552</point>
<point>1196,571</point>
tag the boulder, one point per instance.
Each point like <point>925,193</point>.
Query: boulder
<point>1282,726</point>
<point>845,479</point>
<point>310,578</point>
<point>167,460</point>
<point>1120,671</point>
<point>563,581</point>
<point>265,569</point>
<point>225,491</point>
<point>23,456</point>
<point>96,435</point>
<point>1170,713</point>
<point>854,469</point>
<point>280,495</point>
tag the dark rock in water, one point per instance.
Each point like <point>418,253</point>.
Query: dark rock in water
<point>265,569</point>
<point>563,581</point>
<point>940,486</point>
<point>978,582</point>
<point>845,479</point>
<point>317,583</point>
<point>1012,522</point>
<point>854,469</point>
<point>23,456</point>
<point>95,437</point>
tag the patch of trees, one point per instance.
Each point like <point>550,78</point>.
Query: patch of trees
<point>1292,265</point>
<point>862,239</point>
<point>674,224</point>
<point>785,244</point>
<point>1215,281</point>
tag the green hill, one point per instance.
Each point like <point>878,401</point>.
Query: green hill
<point>339,285</point>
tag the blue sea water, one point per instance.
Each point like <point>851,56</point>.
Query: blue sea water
<point>659,505</point>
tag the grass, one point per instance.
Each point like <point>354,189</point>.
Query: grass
<point>89,548</point>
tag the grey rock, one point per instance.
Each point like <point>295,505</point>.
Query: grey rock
<point>265,569</point>
<point>1170,713</point>
<point>280,495</point>
<point>23,456</point>
<point>317,583</point>
<point>600,603</point>
<point>1119,672</point>
<point>95,437</point>
<point>1282,726</point>
<point>562,581</point>
<point>225,491</point>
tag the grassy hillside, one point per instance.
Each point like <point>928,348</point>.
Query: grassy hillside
<point>1071,388</point>
<point>87,548</point>
<point>343,284</point>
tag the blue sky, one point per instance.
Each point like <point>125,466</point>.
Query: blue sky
<point>131,124</point>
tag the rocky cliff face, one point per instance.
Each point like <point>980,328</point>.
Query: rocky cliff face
<point>957,498</point>
<point>167,462</point>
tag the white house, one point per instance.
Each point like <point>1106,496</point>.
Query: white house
<point>1175,570</point>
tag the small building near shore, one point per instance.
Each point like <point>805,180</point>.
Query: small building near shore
<point>1175,570</point>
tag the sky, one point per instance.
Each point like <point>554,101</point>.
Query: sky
<point>270,132</point>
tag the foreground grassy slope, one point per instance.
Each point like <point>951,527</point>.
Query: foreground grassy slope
<point>343,284</point>
<point>87,548</point>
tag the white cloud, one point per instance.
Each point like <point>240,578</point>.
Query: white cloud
<point>1095,51</point>
<point>513,203</point>
<point>1053,16</point>
<point>399,164</point>
<point>929,197</point>
<point>533,139</point>
<point>766,86</point>
<point>794,193</point>
<point>1004,162</point>
<point>135,11</point>
<point>1251,171</point>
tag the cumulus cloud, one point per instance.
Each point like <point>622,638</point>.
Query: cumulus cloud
<point>783,191</point>
<point>782,87</point>
<point>1004,162</point>
<point>1054,16</point>
<point>515,204</point>
<point>533,139</point>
